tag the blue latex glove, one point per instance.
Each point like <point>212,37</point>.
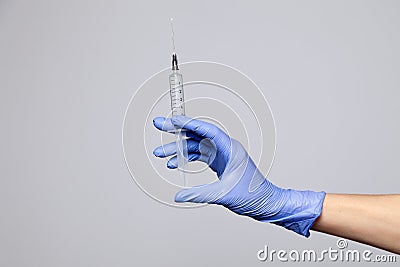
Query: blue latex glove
<point>241,187</point>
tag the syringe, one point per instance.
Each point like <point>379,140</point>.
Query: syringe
<point>178,108</point>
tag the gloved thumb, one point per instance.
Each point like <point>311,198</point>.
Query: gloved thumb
<point>206,193</point>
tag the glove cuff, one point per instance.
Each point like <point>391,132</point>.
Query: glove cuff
<point>301,214</point>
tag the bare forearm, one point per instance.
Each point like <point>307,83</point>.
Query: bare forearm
<point>370,219</point>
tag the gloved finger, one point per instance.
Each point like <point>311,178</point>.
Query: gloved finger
<point>202,128</point>
<point>207,193</point>
<point>164,124</point>
<point>170,149</point>
<point>194,136</point>
<point>172,163</point>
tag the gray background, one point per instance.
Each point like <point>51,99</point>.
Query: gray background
<point>68,69</point>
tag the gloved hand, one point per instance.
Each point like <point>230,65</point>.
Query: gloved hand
<point>241,187</point>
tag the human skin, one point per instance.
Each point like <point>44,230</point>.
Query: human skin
<point>369,219</point>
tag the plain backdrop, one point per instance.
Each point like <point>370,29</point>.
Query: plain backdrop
<point>329,69</point>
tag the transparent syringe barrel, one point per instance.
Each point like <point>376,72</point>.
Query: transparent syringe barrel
<point>178,108</point>
<point>176,92</point>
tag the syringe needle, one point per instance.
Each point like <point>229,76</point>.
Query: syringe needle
<point>172,36</point>
<point>174,56</point>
